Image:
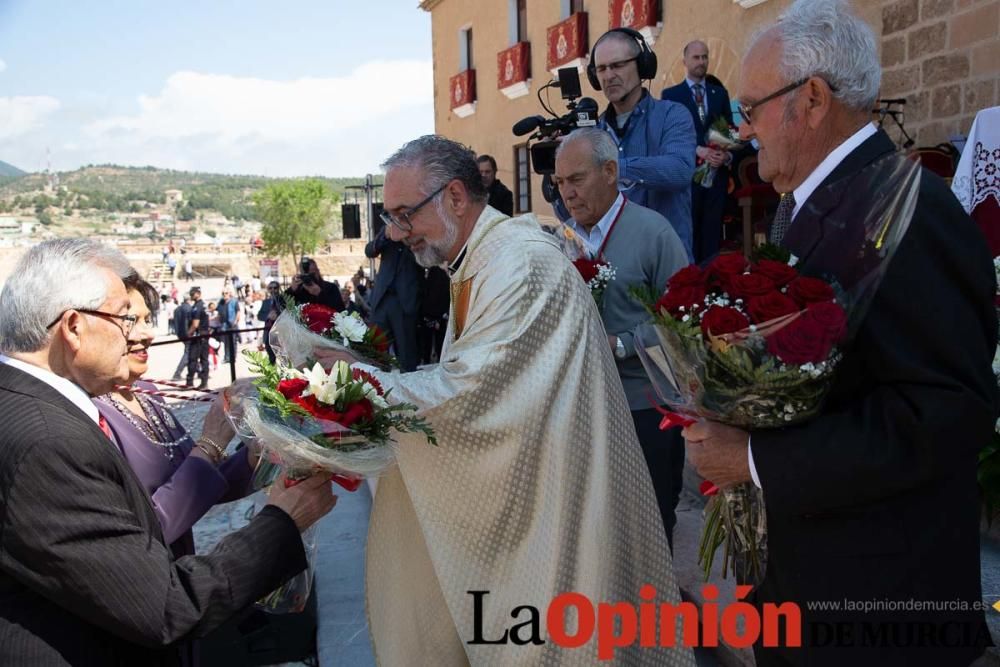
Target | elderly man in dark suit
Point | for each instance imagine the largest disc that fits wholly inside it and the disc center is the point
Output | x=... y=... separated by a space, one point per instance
x=85 y=575
x=874 y=499
x=395 y=299
x=707 y=103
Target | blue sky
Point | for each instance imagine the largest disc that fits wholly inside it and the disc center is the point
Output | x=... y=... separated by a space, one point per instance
x=276 y=88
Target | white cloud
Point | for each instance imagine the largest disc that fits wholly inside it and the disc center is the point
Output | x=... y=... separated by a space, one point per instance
x=211 y=121
x=19 y=115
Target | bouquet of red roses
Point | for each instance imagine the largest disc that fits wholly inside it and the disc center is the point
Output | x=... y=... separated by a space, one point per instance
x=754 y=342
x=595 y=271
x=301 y=329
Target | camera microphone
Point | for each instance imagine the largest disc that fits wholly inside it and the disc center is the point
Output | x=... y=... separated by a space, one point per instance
x=526 y=125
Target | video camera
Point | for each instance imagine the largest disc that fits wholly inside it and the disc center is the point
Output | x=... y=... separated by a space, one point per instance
x=304 y=275
x=582 y=113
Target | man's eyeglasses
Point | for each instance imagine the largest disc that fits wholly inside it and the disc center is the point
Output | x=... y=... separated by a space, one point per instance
x=402 y=222
x=127 y=326
x=746 y=110
x=615 y=66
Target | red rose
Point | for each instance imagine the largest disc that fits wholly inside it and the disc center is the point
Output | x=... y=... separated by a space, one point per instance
x=291 y=389
x=801 y=341
x=361 y=411
x=689 y=276
x=362 y=376
x=748 y=285
x=770 y=306
x=831 y=317
x=681 y=297
x=720 y=320
x=779 y=272
x=587 y=268
x=317 y=317
x=724 y=267
x=809 y=290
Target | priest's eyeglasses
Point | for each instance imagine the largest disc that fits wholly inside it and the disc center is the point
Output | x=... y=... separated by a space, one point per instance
x=127 y=325
x=402 y=223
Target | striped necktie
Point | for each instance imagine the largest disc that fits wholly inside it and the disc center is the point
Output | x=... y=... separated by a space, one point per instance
x=699 y=100
x=782 y=218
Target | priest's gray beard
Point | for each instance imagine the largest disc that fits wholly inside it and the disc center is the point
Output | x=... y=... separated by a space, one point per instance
x=436 y=253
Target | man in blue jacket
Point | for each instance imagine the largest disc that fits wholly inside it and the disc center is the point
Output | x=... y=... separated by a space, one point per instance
x=655 y=138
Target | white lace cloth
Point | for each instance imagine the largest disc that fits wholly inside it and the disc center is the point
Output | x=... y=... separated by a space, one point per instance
x=978 y=173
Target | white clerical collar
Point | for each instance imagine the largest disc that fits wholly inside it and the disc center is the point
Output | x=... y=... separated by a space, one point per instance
x=71 y=391
x=594 y=237
x=826 y=167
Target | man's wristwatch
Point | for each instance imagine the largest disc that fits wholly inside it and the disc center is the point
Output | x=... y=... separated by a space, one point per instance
x=619 y=348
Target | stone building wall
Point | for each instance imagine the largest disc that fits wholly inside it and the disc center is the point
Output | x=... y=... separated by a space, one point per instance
x=944 y=57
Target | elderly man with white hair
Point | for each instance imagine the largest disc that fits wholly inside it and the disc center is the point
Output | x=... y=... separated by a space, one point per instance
x=644 y=250
x=85 y=575
x=873 y=503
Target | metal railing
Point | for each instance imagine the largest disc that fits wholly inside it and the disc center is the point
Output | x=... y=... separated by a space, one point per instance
x=230 y=334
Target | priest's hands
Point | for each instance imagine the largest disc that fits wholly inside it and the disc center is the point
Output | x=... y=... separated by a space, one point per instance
x=718 y=452
x=305 y=502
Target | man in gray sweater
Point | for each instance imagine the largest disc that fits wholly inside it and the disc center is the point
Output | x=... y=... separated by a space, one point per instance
x=643 y=248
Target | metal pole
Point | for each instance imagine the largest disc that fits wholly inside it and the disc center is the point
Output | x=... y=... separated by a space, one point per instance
x=371 y=221
x=232 y=354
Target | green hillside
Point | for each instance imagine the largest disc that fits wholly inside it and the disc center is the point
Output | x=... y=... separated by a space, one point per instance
x=114 y=188
x=10 y=171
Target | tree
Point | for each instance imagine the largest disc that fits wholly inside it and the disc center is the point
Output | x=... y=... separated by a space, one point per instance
x=186 y=213
x=45 y=218
x=295 y=216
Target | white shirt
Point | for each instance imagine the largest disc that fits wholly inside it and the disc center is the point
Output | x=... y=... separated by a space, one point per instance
x=803 y=192
x=593 y=238
x=70 y=390
x=826 y=167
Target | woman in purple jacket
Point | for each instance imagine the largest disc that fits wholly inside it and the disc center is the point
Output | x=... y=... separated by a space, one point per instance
x=184 y=477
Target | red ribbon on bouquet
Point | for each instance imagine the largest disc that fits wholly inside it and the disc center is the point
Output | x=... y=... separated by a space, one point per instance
x=349 y=483
x=672 y=419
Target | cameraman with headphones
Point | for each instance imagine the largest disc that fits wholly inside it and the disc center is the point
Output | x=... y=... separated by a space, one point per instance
x=656 y=138
x=309 y=287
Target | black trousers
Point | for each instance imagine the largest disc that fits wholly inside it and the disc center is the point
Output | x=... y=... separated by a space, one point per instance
x=403 y=330
x=664 y=452
x=198 y=359
x=184 y=360
x=707 y=205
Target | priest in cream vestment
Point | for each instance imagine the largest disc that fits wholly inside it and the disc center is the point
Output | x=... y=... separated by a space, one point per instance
x=538 y=486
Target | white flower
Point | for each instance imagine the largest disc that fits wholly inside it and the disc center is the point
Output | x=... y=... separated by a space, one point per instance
x=318 y=380
x=371 y=393
x=793 y=260
x=350 y=327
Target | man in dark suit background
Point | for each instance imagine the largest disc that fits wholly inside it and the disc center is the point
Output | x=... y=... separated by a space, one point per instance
x=707 y=103
x=395 y=299
x=501 y=198
x=874 y=500
x=85 y=575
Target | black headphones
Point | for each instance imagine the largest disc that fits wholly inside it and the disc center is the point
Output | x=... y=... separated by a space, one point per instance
x=645 y=61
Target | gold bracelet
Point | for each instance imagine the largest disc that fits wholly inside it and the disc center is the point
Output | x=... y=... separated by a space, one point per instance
x=212 y=457
x=220 y=453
